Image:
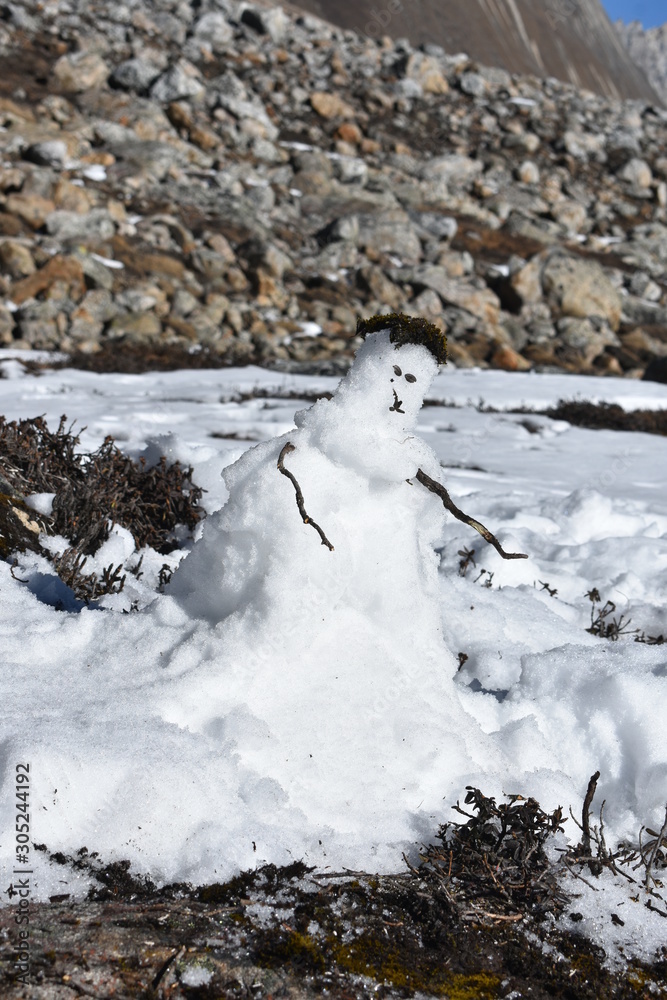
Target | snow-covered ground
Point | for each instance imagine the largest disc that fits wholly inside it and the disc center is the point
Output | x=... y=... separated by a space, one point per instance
x=196 y=749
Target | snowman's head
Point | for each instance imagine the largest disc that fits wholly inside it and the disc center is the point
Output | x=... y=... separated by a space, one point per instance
x=369 y=420
x=393 y=370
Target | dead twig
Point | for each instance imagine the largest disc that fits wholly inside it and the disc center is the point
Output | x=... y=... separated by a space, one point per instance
x=662 y=836
x=287 y=448
x=175 y=956
x=585 y=814
x=440 y=490
x=580 y=877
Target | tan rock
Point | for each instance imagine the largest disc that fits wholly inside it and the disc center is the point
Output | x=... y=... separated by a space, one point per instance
x=136 y=327
x=84 y=326
x=526 y=281
x=509 y=360
x=11 y=177
x=426 y=71
x=58 y=269
x=32 y=208
x=330 y=105
x=204 y=138
x=12 y=113
x=80 y=71
x=269 y=291
x=370 y=146
x=643 y=344
x=72 y=198
x=10 y=225
x=580 y=287
x=16 y=259
x=637 y=173
x=7 y=325
x=373 y=280
x=570 y=214
x=528 y=172
x=350 y=133
x=222 y=246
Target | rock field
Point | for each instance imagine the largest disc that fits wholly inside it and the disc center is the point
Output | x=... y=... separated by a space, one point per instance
x=240 y=183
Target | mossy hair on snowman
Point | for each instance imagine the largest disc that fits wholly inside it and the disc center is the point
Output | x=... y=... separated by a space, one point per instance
x=404 y=333
x=407 y=330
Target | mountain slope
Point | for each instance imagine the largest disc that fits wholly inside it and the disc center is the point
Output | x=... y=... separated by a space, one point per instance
x=574 y=42
x=648 y=49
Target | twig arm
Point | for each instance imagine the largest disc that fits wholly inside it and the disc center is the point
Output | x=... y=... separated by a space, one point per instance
x=488 y=536
x=287 y=448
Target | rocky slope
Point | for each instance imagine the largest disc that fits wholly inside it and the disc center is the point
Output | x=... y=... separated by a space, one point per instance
x=572 y=41
x=648 y=49
x=238 y=183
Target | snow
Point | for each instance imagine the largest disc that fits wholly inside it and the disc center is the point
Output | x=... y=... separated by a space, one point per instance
x=95 y=172
x=286 y=701
x=196 y=975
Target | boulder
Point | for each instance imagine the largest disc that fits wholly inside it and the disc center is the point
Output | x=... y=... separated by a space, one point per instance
x=578 y=287
x=80 y=71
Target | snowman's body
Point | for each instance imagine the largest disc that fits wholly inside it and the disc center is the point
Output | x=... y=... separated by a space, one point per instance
x=355 y=459
x=303 y=629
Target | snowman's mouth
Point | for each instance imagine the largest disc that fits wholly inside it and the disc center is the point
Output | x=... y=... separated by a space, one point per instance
x=396 y=408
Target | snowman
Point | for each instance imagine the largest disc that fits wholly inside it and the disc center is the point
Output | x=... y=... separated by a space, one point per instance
x=353 y=474
x=319 y=582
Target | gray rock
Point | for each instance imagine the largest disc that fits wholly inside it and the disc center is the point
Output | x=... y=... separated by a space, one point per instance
x=228 y=92
x=261 y=253
x=350 y=170
x=637 y=173
x=643 y=287
x=586 y=337
x=150 y=158
x=272 y=22
x=135 y=74
x=94 y=225
x=37 y=325
x=51 y=153
x=213 y=29
x=345 y=228
x=183 y=303
x=444 y=227
x=584 y=145
x=456 y=171
x=97 y=273
x=473 y=84
x=636 y=310
x=392 y=232
x=182 y=80
x=479 y=302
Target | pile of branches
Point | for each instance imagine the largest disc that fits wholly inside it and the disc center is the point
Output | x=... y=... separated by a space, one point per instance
x=494 y=867
x=92 y=492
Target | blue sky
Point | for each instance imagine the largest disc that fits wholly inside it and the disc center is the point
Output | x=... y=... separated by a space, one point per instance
x=649 y=12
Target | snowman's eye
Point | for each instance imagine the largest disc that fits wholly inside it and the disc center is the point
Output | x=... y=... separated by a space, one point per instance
x=397 y=370
x=410 y=378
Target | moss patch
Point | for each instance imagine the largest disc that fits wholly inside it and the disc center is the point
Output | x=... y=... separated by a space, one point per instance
x=407 y=330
